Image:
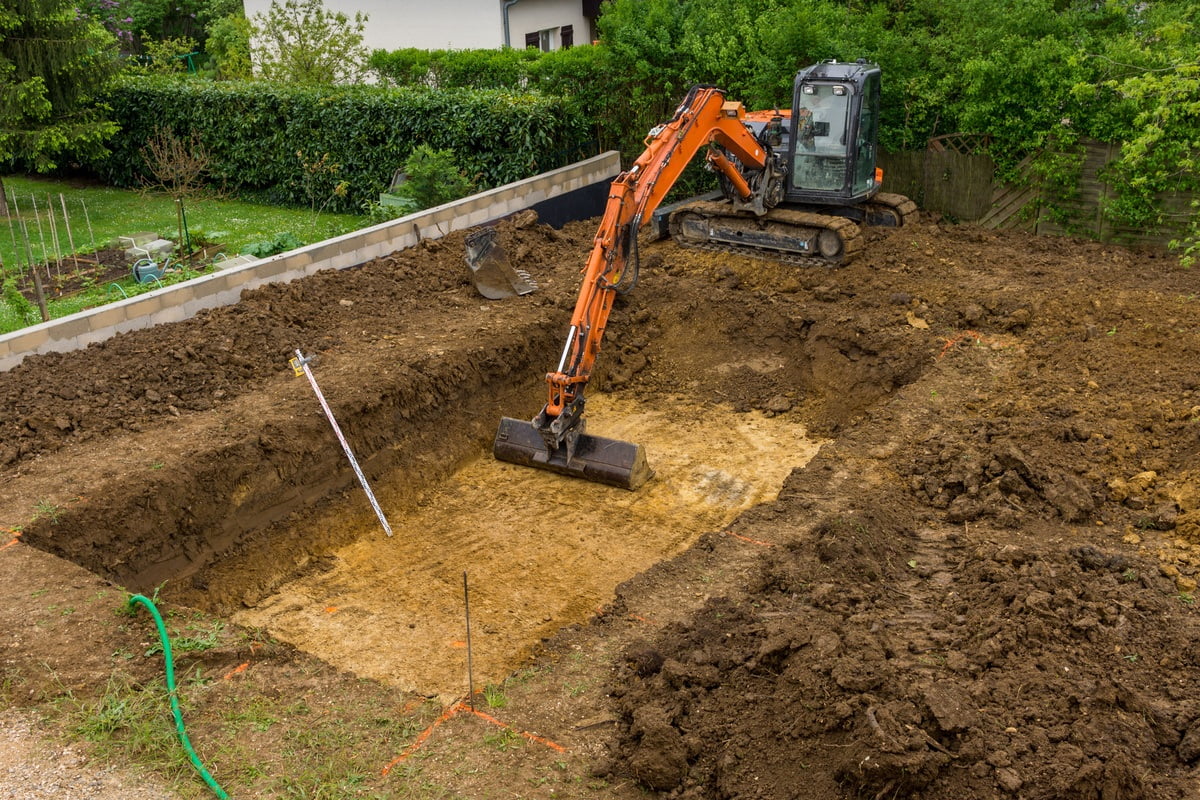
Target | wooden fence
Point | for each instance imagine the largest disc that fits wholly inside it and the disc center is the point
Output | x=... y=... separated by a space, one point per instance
x=959 y=182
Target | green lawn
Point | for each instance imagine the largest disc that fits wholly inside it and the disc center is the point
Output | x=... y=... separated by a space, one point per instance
x=98 y=215
x=119 y=212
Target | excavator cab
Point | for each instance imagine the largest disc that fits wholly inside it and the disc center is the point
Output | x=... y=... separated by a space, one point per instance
x=832 y=142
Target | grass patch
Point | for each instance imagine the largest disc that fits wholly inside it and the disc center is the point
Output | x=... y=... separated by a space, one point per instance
x=127 y=721
x=121 y=212
x=98 y=215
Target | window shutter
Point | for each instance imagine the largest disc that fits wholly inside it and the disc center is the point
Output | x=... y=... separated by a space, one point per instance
x=567 y=36
x=533 y=40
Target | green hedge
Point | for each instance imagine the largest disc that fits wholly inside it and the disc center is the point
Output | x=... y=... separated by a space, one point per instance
x=446 y=69
x=585 y=74
x=253 y=133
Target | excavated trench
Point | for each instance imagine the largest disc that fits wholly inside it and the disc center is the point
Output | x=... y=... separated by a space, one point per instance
x=250 y=511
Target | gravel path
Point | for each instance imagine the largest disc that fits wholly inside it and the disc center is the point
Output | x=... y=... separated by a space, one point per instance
x=32 y=767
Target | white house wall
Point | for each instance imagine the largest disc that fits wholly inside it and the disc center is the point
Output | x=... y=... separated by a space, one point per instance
x=446 y=24
x=530 y=16
x=453 y=24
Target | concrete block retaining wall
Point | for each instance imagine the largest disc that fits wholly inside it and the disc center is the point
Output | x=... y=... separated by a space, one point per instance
x=184 y=300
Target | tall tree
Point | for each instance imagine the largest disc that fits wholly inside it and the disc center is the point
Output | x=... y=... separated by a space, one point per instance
x=299 y=41
x=52 y=65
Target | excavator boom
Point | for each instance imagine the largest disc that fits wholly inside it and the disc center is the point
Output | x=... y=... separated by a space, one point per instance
x=555 y=438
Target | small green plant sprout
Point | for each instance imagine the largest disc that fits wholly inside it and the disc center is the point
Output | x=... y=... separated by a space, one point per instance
x=1129 y=575
x=912 y=563
x=44 y=509
x=203 y=638
x=1131 y=658
x=503 y=740
x=1187 y=598
x=494 y=696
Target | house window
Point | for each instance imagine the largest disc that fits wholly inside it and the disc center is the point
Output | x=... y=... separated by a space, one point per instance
x=551 y=38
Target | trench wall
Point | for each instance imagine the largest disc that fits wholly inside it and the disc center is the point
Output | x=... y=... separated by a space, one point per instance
x=576 y=191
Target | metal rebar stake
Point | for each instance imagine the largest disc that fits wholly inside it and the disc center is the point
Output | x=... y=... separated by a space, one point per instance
x=299 y=365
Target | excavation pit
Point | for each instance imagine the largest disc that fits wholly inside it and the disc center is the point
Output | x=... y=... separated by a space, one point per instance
x=540 y=550
x=248 y=509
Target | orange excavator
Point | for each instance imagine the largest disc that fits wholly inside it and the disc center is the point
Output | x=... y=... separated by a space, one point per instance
x=796 y=186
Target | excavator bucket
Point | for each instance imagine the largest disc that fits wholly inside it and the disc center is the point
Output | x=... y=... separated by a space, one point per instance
x=607 y=461
x=491 y=272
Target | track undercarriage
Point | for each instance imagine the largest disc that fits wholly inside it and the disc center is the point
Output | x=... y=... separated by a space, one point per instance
x=789 y=233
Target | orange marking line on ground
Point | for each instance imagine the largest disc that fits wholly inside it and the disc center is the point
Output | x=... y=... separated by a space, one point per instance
x=450 y=712
x=331 y=609
x=751 y=541
x=640 y=618
x=236 y=670
x=533 y=737
x=422 y=736
x=16 y=534
x=458 y=643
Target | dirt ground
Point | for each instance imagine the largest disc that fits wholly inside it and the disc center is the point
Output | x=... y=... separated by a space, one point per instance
x=980 y=586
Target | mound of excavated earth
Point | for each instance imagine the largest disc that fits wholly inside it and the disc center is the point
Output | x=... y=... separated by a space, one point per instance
x=981 y=585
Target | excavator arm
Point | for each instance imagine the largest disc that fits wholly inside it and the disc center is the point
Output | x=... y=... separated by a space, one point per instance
x=704 y=120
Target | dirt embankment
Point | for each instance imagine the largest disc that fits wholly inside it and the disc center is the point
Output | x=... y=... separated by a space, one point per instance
x=981 y=586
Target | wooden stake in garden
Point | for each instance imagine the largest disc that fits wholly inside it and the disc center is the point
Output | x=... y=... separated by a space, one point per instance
x=90 y=232
x=37 y=279
x=67 y=225
x=41 y=235
x=13 y=234
x=54 y=237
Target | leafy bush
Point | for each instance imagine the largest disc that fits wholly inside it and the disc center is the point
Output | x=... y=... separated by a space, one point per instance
x=279 y=243
x=460 y=69
x=434 y=178
x=228 y=47
x=253 y=131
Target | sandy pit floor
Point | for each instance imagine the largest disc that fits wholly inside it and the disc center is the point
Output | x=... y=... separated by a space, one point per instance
x=540 y=551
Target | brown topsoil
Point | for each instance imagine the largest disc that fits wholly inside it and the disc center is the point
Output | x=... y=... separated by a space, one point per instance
x=981 y=586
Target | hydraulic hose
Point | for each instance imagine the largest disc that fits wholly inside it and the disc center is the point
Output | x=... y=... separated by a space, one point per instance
x=174 y=694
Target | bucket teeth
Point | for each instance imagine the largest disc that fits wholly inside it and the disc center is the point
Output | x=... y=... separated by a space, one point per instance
x=494 y=277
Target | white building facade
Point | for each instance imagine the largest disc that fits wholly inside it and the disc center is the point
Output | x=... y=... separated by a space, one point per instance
x=466 y=24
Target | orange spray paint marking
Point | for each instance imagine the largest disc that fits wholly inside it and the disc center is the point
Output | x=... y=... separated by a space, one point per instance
x=236 y=670
x=458 y=644
x=16 y=534
x=533 y=737
x=422 y=736
x=751 y=541
x=450 y=712
x=331 y=609
x=639 y=618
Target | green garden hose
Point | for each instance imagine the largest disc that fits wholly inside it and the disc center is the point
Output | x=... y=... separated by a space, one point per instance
x=183 y=737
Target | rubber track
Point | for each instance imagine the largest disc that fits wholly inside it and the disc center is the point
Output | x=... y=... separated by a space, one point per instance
x=847 y=230
x=905 y=208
